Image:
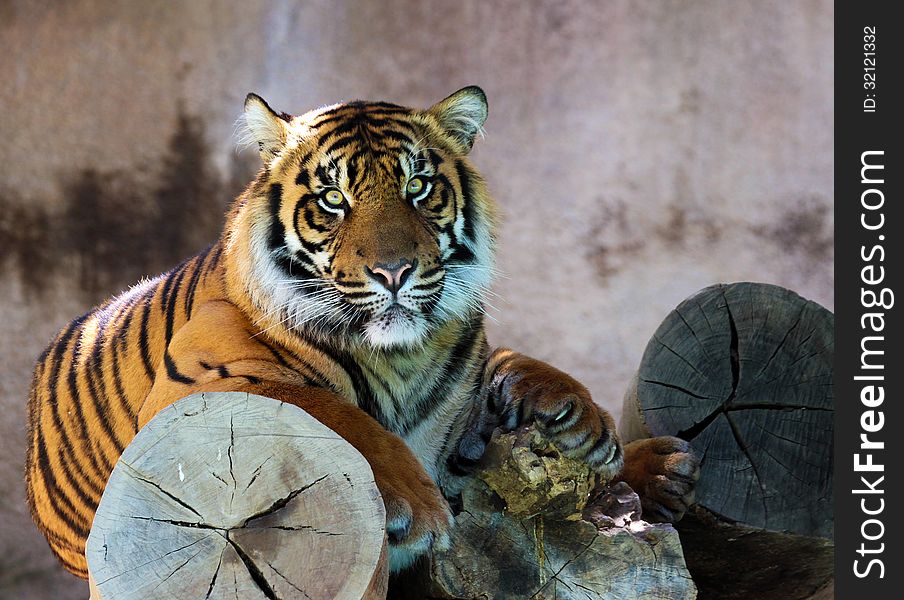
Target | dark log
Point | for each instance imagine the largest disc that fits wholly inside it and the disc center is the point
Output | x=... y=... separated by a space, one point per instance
x=744 y=373
x=228 y=495
x=731 y=561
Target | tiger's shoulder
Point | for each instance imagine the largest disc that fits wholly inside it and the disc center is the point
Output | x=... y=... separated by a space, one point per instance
x=220 y=346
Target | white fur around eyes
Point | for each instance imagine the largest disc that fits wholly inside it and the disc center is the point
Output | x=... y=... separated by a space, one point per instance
x=333 y=209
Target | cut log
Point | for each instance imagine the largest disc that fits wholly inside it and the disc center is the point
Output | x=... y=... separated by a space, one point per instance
x=744 y=373
x=526 y=529
x=227 y=495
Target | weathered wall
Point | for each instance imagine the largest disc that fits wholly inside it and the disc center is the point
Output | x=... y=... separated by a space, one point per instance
x=640 y=150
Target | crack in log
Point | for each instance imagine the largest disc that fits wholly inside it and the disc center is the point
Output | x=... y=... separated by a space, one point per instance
x=698 y=427
x=286 y=579
x=492 y=531
x=681 y=358
x=735 y=365
x=693 y=333
x=787 y=368
x=257 y=472
x=213 y=580
x=303 y=528
x=788 y=469
x=153 y=560
x=174 y=571
x=703 y=455
x=809 y=440
x=676 y=387
x=179 y=523
x=782 y=407
x=781 y=344
x=823 y=376
x=229 y=453
x=703 y=314
x=743 y=446
x=300 y=436
x=783 y=438
x=807 y=339
x=256 y=575
x=664 y=407
x=282 y=502
x=586 y=589
x=734 y=353
x=555 y=589
x=555 y=576
x=137 y=475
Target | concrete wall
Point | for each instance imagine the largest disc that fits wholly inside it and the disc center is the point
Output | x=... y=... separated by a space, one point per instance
x=640 y=151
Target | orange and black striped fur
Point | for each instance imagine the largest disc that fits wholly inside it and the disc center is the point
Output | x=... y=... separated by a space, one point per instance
x=348 y=281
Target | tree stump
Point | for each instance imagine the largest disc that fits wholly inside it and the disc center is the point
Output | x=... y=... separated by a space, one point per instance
x=744 y=373
x=533 y=524
x=227 y=495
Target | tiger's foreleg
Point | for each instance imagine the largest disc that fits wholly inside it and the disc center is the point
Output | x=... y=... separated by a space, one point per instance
x=418 y=518
x=518 y=390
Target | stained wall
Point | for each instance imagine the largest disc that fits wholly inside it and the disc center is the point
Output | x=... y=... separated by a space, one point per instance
x=640 y=150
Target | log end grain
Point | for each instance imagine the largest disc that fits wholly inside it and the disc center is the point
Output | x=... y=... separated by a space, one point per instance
x=227 y=495
x=744 y=373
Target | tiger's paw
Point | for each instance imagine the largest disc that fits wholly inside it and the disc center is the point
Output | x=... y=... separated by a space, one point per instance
x=565 y=414
x=418 y=518
x=663 y=471
x=582 y=431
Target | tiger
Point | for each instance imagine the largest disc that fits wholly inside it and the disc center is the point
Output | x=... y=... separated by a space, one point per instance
x=350 y=280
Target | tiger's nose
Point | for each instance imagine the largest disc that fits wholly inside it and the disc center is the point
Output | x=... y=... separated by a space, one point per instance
x=391 y=276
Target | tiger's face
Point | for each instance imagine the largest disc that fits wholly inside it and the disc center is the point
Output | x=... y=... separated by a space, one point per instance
x=369 y=222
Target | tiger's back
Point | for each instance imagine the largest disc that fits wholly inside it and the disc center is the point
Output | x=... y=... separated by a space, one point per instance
x=87 y=391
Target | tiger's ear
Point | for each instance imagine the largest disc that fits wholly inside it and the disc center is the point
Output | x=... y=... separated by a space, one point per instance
x=462 y=115
x=265 y=127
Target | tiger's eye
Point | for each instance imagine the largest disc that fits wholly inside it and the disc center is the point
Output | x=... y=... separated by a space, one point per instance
x=415 y=186
x=334 y=198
